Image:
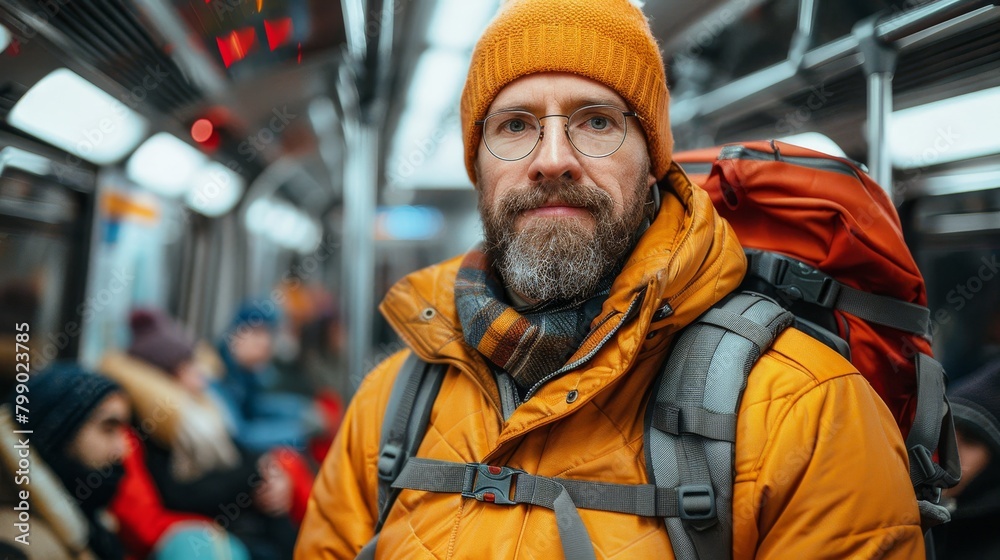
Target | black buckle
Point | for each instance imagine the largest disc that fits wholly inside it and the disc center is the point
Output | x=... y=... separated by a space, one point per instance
x=796 y=279
x=492 y=484
x=696 y=502
x=924 y=460
x=390 y=462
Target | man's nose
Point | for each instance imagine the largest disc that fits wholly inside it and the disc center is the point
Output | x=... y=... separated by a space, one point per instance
x=555 y=156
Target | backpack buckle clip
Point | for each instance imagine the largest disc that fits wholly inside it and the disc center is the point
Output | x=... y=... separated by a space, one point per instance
x=389 y=463
x=492 y=484
x=799 y=281
x=696 y=502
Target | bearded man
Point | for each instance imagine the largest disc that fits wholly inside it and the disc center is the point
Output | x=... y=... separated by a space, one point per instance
x=598 y=251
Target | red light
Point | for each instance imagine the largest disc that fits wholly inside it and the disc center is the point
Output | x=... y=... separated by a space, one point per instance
x=278 y=31
x=202 y=130
x=234 y=46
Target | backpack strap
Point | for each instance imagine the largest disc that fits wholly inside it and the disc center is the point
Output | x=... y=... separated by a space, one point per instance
x=800 y=281
x=933 y=428
x=403 y=427
x=691 y=418
x=684 y=420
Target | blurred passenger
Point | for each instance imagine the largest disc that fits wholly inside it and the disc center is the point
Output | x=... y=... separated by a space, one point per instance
x=88 y=498
x=72 y=468
x=183 y=443
x=974 y=530
x=260 y=418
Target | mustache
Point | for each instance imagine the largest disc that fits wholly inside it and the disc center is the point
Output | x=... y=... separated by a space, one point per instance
x=562 y=192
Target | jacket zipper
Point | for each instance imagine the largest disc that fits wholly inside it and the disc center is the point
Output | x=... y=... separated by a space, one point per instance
x=584 y=359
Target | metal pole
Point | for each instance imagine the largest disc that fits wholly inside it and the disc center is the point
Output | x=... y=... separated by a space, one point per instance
x=879 y=109
x=879 y=66
x=360 y=196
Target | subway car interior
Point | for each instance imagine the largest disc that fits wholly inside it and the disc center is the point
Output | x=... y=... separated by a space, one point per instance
x=293 y=159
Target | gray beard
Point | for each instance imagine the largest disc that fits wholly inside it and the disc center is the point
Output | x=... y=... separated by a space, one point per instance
x=560 y=259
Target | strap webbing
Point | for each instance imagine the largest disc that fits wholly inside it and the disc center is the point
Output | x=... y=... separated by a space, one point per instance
x=432 y=475
x=933 y=428
x=407 y=415
x=368 y=552
x=675 y=420
x=691 y=420
x=814 y=286
x=754 y=332
x=883 y=310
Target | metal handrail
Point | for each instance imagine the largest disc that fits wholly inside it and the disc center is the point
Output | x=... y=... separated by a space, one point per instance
x=755 y=91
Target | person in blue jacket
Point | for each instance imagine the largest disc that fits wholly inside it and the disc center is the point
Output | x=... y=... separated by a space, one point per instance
x=260 y=418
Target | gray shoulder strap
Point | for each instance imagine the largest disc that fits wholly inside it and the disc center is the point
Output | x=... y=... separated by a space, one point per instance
x=403 y=427
x=933 y=429
x=691 y=418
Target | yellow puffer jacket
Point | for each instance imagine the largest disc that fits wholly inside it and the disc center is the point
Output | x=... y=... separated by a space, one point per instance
x=821 y=470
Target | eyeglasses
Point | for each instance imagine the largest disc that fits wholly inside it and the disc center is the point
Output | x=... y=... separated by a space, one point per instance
x=595 y=131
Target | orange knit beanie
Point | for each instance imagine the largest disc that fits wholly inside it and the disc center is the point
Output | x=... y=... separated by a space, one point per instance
x=605 y=40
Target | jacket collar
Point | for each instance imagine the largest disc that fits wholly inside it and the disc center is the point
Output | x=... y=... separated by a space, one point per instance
x=687 y=260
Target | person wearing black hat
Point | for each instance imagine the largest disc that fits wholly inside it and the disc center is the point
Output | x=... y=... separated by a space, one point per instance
x=975 y=501
x=77 y=423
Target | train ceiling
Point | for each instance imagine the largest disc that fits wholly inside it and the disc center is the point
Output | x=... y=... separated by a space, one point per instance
x=255 y=67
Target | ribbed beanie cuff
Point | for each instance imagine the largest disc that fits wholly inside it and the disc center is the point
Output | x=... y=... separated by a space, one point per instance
x=608 y=41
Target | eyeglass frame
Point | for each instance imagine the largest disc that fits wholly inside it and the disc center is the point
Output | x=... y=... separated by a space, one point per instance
x=541 y=129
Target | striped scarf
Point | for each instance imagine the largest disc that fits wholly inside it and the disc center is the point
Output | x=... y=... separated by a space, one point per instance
x=530 y=345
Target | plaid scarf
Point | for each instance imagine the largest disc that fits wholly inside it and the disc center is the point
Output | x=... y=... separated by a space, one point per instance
x=530 y=345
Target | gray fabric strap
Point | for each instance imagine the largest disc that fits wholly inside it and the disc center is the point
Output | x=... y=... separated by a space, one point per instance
x=549 y=493
x=740 y=325
x=397 y=416
x=368 y=552
x=645 y=500
x=432 y=475
x=885 y=311
x=691 y=425
x=811 y=285
x=675 y=420
x=405 y=421
x=933 y=428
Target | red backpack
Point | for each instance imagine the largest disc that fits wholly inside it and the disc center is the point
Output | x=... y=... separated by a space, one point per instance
x=824 y=240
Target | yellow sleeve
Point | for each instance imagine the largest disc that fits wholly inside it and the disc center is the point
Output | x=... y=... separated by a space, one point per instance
x=833 y=480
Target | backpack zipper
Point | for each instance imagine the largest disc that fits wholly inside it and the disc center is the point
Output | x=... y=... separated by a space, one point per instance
x=822 y=164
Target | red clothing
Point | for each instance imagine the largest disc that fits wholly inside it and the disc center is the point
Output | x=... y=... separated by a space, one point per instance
x=141 y=516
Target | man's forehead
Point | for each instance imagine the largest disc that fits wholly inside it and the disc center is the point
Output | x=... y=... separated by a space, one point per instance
x=541 y=90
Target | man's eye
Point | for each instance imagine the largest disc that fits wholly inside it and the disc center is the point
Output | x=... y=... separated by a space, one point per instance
x=515 y=125
x=598 y=123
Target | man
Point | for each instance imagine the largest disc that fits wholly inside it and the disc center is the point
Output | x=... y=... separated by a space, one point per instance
x=77 y=421
x=598 y=252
